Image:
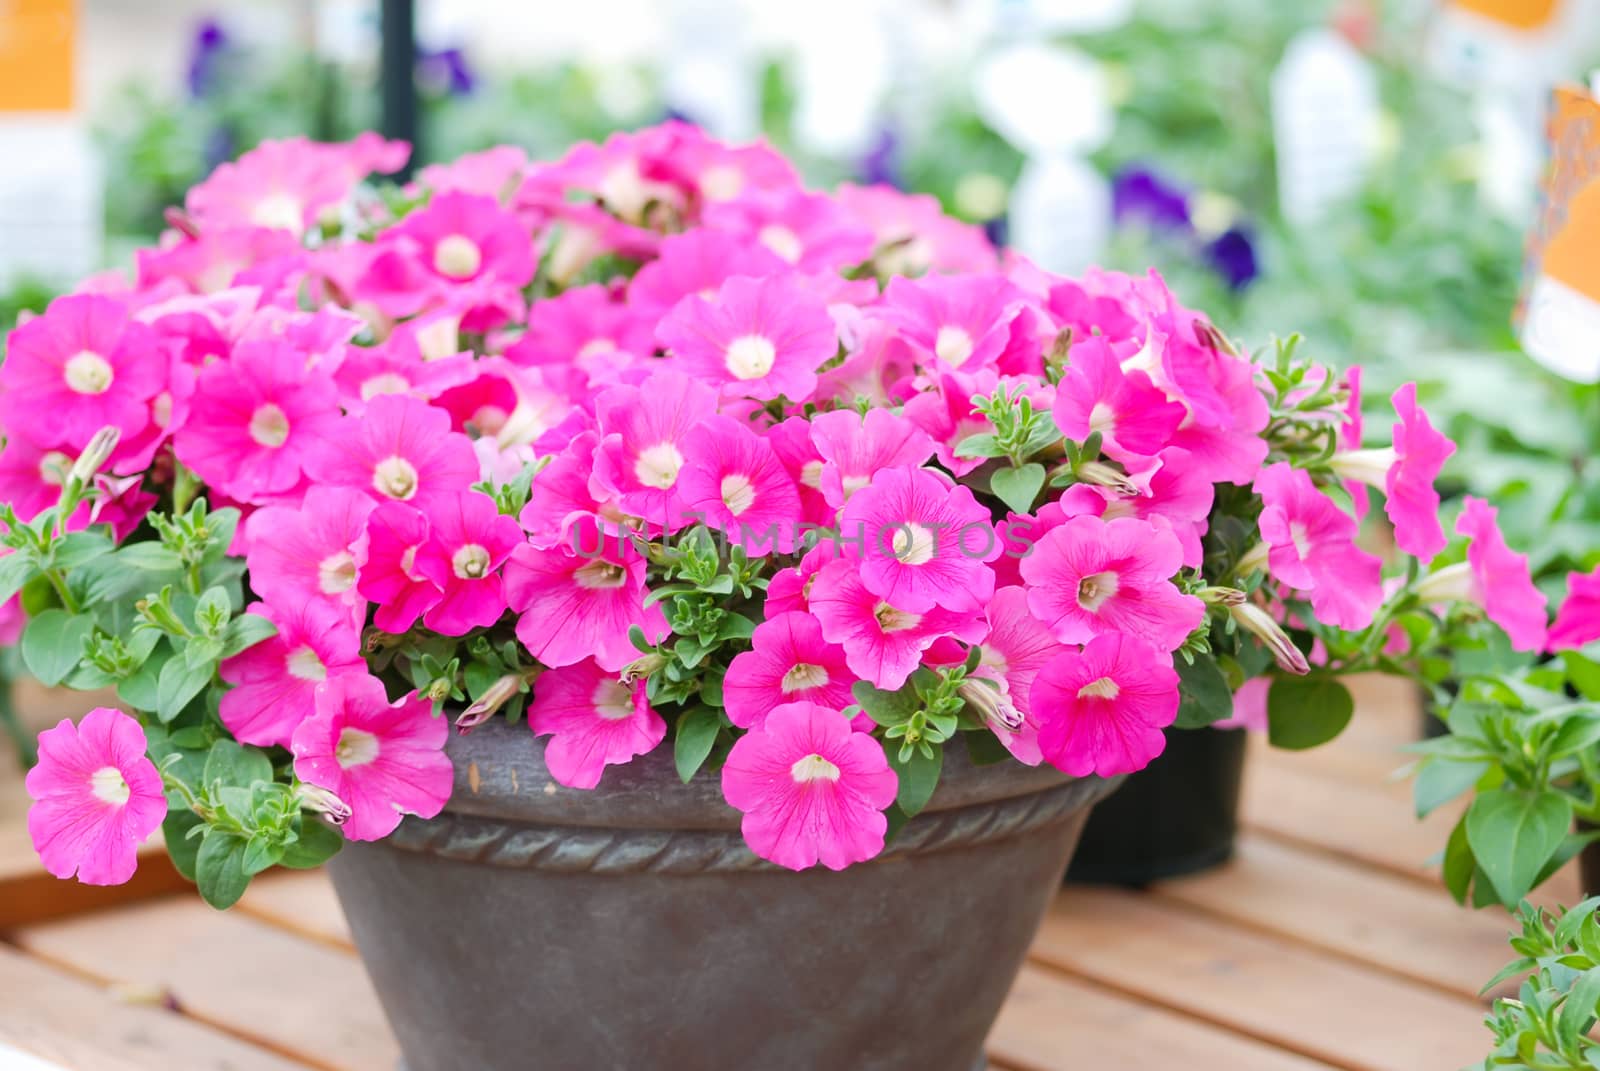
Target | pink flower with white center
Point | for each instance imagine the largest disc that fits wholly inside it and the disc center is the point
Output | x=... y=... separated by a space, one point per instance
x=913 y=233
x=878 y=365
x=1133 y=416
x=853 y=448
x=82 y=365
x=578 y=601
x=1578 y=620
x=1013 y=653
x=287 y=184
x=808 y=230
x=483 y=405
x=470 y=540
x=31 y=478
x=733 y=479
x=1176 y=494
x=388 y=574
x=1406 y=473
x=1231 y=449
x=960 y=322
x=275 y=681
x=582 y=326
x=217 y=259
x=464 y=237
x=756 y=338
x=1494 y=577
x=399 y=449
x=926 y=542
x=593 y=720
x=882 y=643
x=309 y=554
x=1312 y=548
x=492 y=172
x=790 y=663
x=397 y=367
x=791 y=441
x=812 y=789
x=790 y=589
x=643 y=428
x=560 y=495
x=696 y=262
x=383 y=759
x=258 y=421
x=1102 y=710
x=1088 y=577
x=947 y=414
x=96 y=797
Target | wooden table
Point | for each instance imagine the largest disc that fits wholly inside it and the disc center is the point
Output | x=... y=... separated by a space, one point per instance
x=1328 y=943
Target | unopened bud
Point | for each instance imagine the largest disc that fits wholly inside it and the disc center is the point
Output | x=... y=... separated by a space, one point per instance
x=640 y=668
x=1103 y=475
x=1221 y=596
x=321 y=801
x=1371 y=467
x=995 y=709
x=1210 y=336
x=182 y=222
x=1453 y=583
x=94 y=455
x=1256 y=621
x=494 y=697
x=1254 y=560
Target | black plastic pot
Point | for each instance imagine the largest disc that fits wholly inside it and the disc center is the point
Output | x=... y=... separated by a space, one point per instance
x=1177 y=816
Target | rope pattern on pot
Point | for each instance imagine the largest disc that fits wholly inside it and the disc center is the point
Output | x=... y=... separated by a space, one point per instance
x=579 y=850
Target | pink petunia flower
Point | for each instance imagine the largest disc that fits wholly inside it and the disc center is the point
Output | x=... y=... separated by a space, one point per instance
x=756 y=338
x=1312 y=548
x=1134 y=417
x=1493 y=576
x=1013 y=652
x=1089 y=577
x=399 y=449
x=383 y=759
x=388 y=575
x=470 y=539
x=578 y=601
x=1250 y=706
x=1578 y=620
x=640 y=456
x=287 y=184
x=397 y=367
x=697 y=262
x=464 y=237
x=96 y=798
x=309 y=553
x=882 y=642
x=913 y=233
x=582 y=326
x=853 y=448
x=791 y=663
x=960 y=322
x=82 y=365
x=275 y=681
x=733 y=480
x=594 y=721
x=1175 y=494
x=1102 y=710
x=947 y=414
x=926 y=543
x=258 y=421
x=812 y=789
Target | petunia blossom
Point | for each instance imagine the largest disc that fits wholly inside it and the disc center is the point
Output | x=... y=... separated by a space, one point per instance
x=640 y=455
x=468 y=541
x=594 y=721
x=1578 y=620
x=883 y=643
x=399 y=449
x=790 y=662
x=1102 y=710
x=1012 y=654
x=925 y=543
x=854 y=447
x=733 y=480
x=1312 y=548
x=275 y=681
x=308 y=554
x=1493 y=576
x=755 y=338
x=1134 y=418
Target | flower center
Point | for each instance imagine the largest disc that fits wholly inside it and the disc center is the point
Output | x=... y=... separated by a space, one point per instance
x=891 y=619
x=489 y=419
x=1103 y=418
x=811 y=475
x=304 y=665
x=658 y=466
x=395 y=477
x=88 y=373
x=109 y=786
x=1104 y=688
x=595 y=347
x=269 y=426
x=721 y=183
x=54 y=467
x=457 y=256
x=913 y=544
x=1301 y=538
x=751 y=357
x=953 y=345
x=336 y=573
x=598 y=575
x=813 y=767
x=161 y=409
x=803 y=676
x=356 y=747
x=278 y=210
x=782 y=241
x=408 y=563
x=1093 y=591
x=384 y=383
x=613 y=701
x=738 y=493
x=470 y=562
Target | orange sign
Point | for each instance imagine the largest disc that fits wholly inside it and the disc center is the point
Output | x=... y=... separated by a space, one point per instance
x=36 y=55
x=1517 y=14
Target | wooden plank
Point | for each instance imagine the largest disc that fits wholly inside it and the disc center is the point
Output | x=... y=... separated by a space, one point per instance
x=300 y=998
x=1056 y=1023
x=1310 y=1003
x=303 y=903
x=1362 y=914
x=72 y=1023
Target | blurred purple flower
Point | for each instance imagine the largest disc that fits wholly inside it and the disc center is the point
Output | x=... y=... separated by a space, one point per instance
x=674 y=114
x=447 y=70
x=1140 y=195
x=205 y=48
x=219 y=147
x=998 y=230
x=880 y=165
x=1233 y=256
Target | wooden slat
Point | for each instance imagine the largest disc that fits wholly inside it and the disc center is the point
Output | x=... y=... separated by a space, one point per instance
x=1056 y=1023
x=1317 y=1005
x=72 y=1023
x=302 y=903
x=273 y=988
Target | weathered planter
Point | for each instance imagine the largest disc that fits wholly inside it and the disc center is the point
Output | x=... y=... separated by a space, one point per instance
x=630 y=927
x=1179 y=815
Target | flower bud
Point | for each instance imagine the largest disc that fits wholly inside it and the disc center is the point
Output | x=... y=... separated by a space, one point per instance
x=995 y=709
x=1213 y=596
x=1453 y=583
x=640 y=668
x=94 y=455
x=1370 y=467
x=321 y=801
x=1256 y=621
x=494 y=697
x=1253 y=561
x=1103 y=475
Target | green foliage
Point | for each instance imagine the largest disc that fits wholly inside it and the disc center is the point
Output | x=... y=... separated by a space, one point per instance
x=1305 y=712
x=1546 y=1027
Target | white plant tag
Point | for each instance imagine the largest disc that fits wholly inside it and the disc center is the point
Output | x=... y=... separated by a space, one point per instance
x=1044 y=99
x=1060 y=214
x=52 y=201
x=1324 y=123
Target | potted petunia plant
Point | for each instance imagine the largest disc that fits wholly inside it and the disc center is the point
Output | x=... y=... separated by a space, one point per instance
x=416 y=520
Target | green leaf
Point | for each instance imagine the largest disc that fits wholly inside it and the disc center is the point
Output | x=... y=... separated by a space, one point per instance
x=980 y=445
x=1583 y=673
x=1578 y=1012
x=1441 y=780
x=1566 y=931
x=692 y=743
x=1206 y=697
x=919 y=776
x=181 y=848
x=1459 y=865
x=139 y=690
x=317 y=843
x=244 y=632
x=219 y=869
x=984 y=748
x=260 y=852
x=1513 y=833
x=15 y=571
x=235 y=764
x=53 y=644
x=1305 y=712
x=1578 y=733
x=1018 y=487
x=885 y=708
x=178 y=683
x=80 y=548
x=149 y=558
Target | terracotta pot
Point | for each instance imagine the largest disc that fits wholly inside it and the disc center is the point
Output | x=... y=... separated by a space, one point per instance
x=532 y=925
x=1179 y=815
